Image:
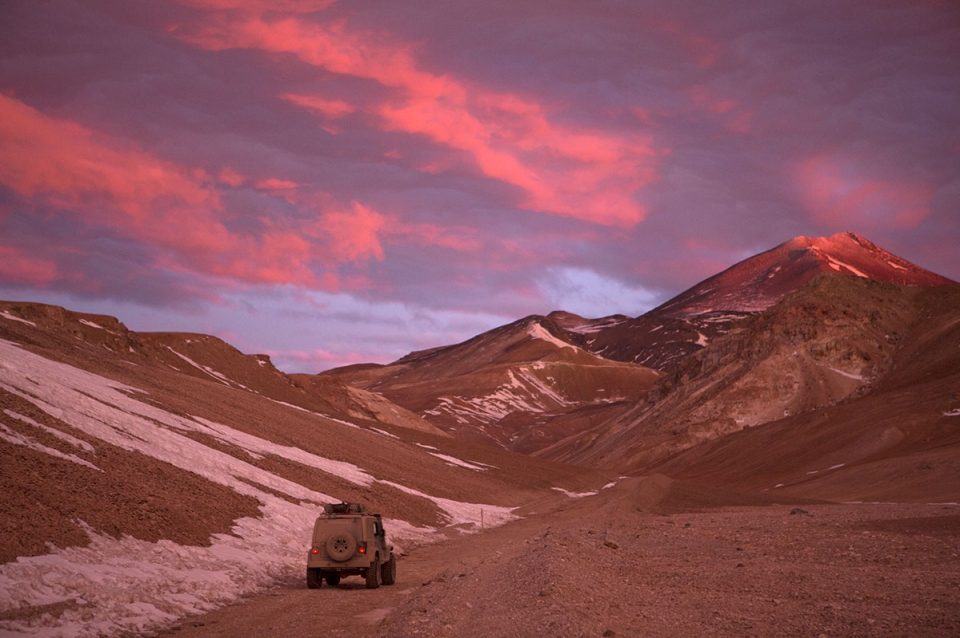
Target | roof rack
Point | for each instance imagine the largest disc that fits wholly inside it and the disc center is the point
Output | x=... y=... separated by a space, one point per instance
x=343 y=508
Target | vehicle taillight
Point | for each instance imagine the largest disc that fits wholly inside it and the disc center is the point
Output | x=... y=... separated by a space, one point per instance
x=363 y=548
x=314 y=550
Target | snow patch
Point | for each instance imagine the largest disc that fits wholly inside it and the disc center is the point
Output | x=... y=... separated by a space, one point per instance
x=463 y=514
x=213 y=373
x=849 y=375
x=523 y=392
x=319 y=414
x=452 y=460
x=92 y=324
x=63 y=436
x=837 y=265
x=833 y=467
x=952 y=412
x=574 y=494
x=12 y=436
x=7 y=315
x=133 y=586
x=539 y=332
x=595 y=326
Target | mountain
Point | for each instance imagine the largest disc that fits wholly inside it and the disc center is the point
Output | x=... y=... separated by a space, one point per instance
x=686 y=323
x=521 y=386
x=148 y=476
x=891 y=435
x=548 y=384
x=834 y=339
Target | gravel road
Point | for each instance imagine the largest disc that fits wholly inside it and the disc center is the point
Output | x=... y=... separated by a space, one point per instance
x=615 y=565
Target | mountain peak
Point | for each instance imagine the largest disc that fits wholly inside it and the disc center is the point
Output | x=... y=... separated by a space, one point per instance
x=760 y=281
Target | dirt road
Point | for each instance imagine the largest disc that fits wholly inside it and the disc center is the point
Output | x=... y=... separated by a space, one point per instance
x=624 y=564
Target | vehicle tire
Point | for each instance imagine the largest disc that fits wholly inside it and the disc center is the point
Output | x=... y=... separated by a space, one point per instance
x=389 y=571
x=333 y=579
x=341 y=547
x=314 y=577
x=373 y=574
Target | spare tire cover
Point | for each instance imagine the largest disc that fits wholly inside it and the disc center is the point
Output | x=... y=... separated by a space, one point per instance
x=341 y=546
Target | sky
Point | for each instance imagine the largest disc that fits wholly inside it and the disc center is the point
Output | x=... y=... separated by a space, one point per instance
x=333 y=182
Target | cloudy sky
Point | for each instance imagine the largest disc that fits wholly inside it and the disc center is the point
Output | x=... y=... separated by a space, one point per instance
x=331 y=181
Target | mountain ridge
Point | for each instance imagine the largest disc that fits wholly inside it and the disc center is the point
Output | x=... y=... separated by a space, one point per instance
x=447 y=385
x=132 y=462
x=706 y=310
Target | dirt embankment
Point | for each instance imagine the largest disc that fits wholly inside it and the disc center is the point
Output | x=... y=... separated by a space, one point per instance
x=627 y=562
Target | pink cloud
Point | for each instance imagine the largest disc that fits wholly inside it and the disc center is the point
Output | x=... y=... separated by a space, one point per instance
x=175 y=209
x=62 y=161
x=276 y=184
x=18 y=267
x=289 y=6
x=843 y=192
x=231 y=177
x=352 y=235
x=704 y=51
x=323 y=358
x=559 y=169
x=328 y=108
x=461 y=239
x=730 y=113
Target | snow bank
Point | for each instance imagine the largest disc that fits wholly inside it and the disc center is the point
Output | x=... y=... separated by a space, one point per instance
x=465 y=514
x=129 y=585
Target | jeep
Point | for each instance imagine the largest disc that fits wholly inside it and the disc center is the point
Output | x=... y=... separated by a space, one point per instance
x=349 y=542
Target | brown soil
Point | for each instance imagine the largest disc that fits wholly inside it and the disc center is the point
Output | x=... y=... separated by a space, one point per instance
x=608 y=565
x=48 y=500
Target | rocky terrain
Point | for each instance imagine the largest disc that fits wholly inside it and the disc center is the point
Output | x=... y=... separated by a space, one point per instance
x=788 y=465
x=664 y=336
x=647 y=557
x=521 y=387
x=849 y=344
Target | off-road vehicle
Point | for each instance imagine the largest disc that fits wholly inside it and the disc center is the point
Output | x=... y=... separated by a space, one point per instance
x=349 y=542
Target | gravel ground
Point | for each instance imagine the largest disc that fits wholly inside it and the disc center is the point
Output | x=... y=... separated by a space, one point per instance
x=599 y=566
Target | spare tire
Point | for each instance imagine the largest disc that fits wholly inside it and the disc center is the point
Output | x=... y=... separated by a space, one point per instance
x=341 y=547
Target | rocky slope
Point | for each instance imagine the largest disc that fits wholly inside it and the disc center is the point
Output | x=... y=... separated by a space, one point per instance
x=843 y=372
x=897 y=439
x=522 y=386
x=686 y=323
x=529 y=385
x=136 y=465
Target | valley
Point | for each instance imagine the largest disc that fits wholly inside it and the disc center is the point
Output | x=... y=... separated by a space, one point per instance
x=775 y=451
